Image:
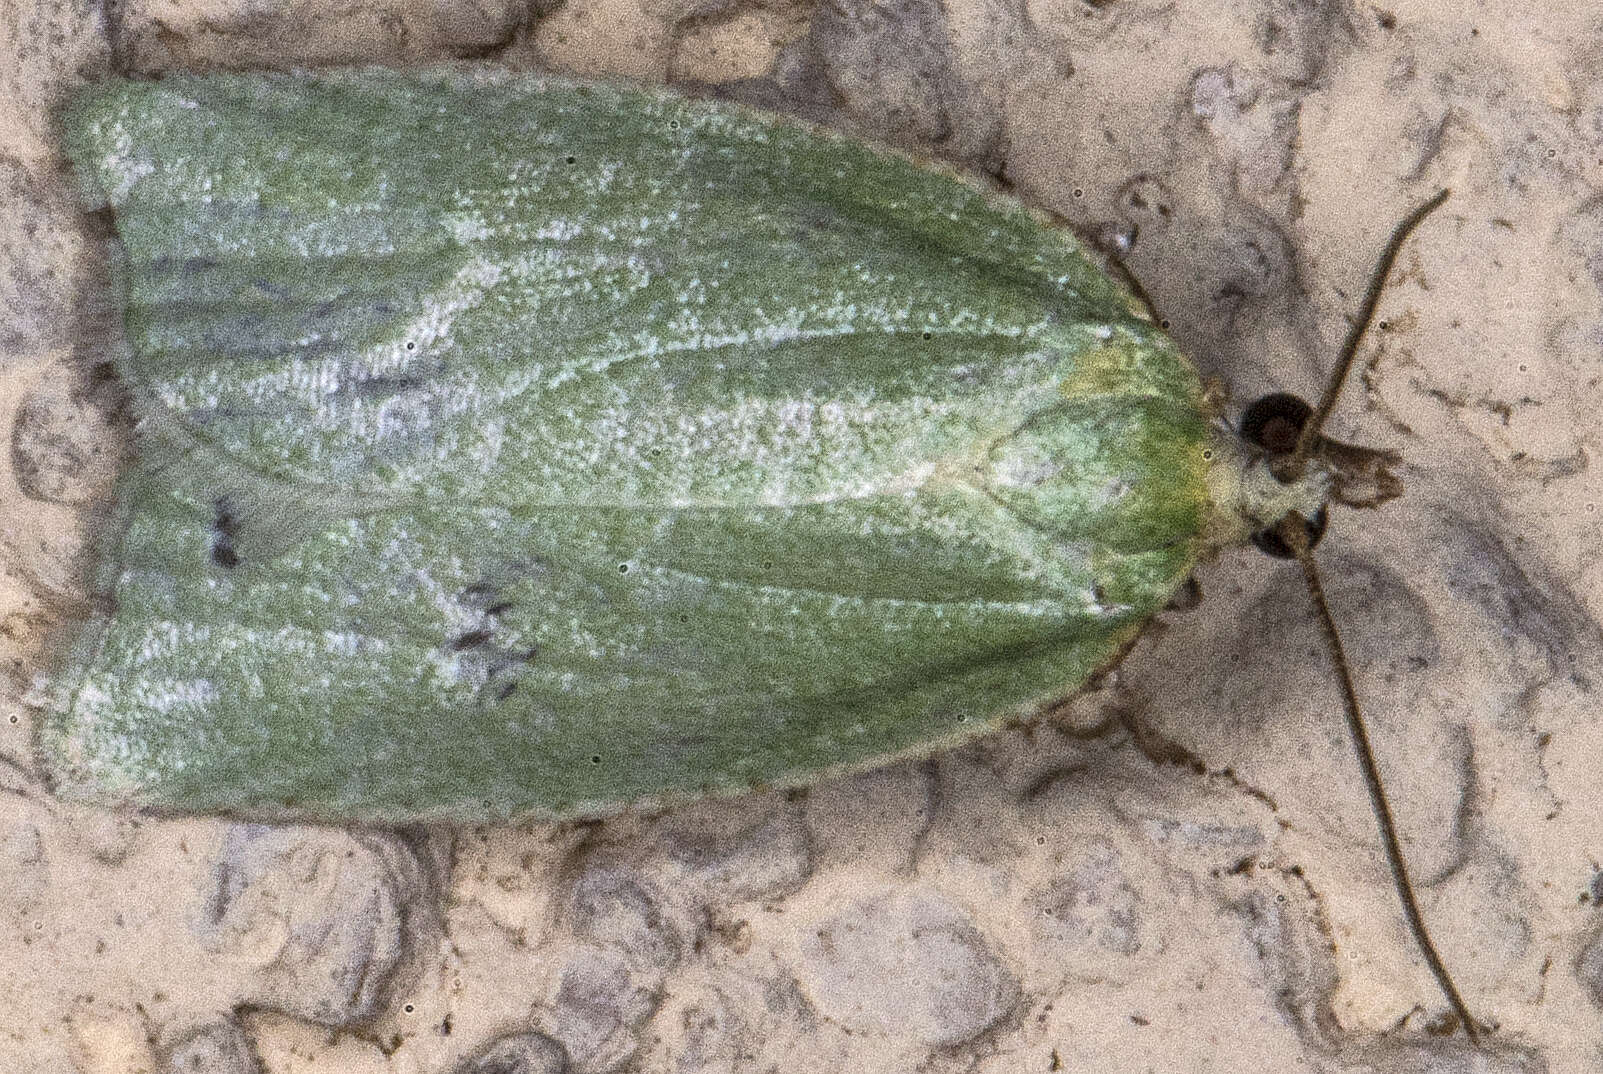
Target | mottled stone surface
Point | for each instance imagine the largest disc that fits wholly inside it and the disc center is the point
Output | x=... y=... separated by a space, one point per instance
x=323 y=918
x=907 y=965
x=215 y=1048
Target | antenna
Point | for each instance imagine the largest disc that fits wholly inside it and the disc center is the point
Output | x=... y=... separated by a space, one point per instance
x=1292 y=466
x=1293 y=530
x=1296 y=536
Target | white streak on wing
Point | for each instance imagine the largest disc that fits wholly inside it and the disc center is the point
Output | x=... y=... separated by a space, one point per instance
x=122 y=164
x=466 y=226
x=166 y=695
x=433 y=321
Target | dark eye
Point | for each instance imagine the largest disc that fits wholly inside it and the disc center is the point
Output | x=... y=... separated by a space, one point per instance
x=1274 y=422
x=1271 y=543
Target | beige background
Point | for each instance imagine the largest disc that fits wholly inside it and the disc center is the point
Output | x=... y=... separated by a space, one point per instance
x=1042 y=901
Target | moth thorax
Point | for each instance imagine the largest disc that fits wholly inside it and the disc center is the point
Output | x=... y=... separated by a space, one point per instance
x=1248 y=498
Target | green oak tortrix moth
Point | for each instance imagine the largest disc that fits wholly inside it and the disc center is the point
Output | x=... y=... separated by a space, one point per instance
x=513 y=447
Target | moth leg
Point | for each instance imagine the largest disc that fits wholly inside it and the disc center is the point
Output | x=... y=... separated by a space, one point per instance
x=1187 y=597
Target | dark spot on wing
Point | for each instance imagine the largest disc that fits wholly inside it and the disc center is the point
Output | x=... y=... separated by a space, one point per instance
x=493 y=661
x=225 y=529
x=273 y=290
x=503 y=668
x=384 y=387
x=470 y=640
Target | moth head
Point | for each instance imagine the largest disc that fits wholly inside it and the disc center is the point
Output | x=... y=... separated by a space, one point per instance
x=1354 y=476
x=1280 y=471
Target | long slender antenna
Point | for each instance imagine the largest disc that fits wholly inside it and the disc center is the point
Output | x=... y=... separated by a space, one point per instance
x=1295 y=532
x=1291 y=468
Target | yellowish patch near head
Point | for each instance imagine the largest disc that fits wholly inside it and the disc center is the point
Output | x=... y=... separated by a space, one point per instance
x=1246 y=495
x=1122 y=366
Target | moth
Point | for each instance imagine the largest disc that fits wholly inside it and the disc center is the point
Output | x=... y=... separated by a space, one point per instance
x=512 y=447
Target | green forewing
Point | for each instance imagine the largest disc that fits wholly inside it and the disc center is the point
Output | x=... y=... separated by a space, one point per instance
x=514 y=446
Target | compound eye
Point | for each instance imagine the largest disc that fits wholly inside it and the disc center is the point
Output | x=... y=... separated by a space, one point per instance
x=1275 y=421
x=1271 y=543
